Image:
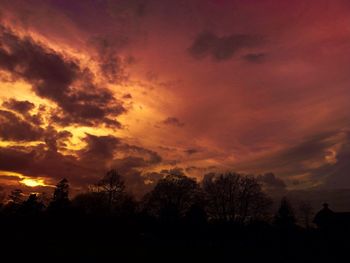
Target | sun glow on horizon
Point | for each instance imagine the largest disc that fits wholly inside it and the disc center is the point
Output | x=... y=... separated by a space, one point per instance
x=24 y=180
x=33 y=182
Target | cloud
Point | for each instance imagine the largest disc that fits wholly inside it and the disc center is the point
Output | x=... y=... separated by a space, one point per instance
x=13 y=128
x=82 y=167
x=24 y=109
x=149 y=157
x=255 y=57
x=112 y=66
x=100 y=147
x=115 y=153
x=56 y=140
x=271 y=181
x=221 y=48
x=173 y=121
x=19 y=106
x=60 y=80
x=132 y=7
x=127 y=96
x=245 y=115
x=173 y=171
x=320 y=160
x=129 y=160
x=191 y=151
x=338 y=170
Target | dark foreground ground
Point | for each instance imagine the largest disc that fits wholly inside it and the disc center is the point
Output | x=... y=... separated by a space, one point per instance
x=108 y=239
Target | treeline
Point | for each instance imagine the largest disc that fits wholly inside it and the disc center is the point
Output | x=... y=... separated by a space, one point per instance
x=229 y=197
x=225 y=217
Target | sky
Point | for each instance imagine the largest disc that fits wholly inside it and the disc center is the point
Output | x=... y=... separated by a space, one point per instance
x=152 y=87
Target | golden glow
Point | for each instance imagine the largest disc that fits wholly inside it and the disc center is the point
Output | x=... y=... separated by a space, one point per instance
x=33 y=182
x=22 y=179
x=13 y=143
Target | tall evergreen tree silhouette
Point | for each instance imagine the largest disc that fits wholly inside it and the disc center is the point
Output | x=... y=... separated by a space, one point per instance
x=60 y=201
x=285 y=214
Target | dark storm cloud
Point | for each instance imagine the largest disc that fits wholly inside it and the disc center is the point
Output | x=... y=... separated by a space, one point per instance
x=18 y=106
x=24 y=108
x=104 y=148
x=150 y=157
x=56 y=140
x=37 y=161
x=131 y=165
x=117 y=27
x=221 y=48
x=15 y=158
x=13 y=128
x=86 y=166
x=313 y=148
x=60 y=80
x=173 y=121
x=100 y=147
x=271 y=181
x=293 y=157
x=130 y=160
x=111 y=64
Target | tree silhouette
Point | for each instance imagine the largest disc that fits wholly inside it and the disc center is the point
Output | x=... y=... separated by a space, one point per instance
x=91 y=203
x=112 y=186
x=15 y=200
x=60 y=202
x=222 y=195
x=234 y=197
x=61 y=191
x=172 y=196
x=32 y=206
x=253 y=203
x=305 y=210
x=196 y=215
x=285 y=214
x=2 y=195
x=16 y=196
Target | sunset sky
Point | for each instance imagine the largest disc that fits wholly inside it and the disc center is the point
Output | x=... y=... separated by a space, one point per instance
x=157 y=86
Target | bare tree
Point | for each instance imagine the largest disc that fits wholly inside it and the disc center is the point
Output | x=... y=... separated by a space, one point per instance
x=113 y=186
x=222 y=194
x=252 y=201
x=234 y=197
